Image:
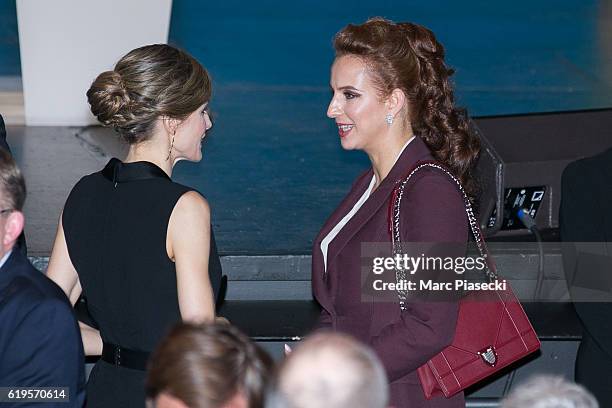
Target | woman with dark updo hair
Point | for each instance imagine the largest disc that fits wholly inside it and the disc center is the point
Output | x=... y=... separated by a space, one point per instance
x=392 y=99
x=138 y=246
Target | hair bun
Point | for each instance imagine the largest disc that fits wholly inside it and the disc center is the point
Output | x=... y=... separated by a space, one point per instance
x=148 y=83
x=108 y=99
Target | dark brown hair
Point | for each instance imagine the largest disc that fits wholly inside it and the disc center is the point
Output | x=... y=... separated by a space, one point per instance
x=148 y=83
x=206 y=365
x=407 y=56
x=12 y=185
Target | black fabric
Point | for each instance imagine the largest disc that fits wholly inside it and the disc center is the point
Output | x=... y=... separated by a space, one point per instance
x=122 y=357
x=115 y=222
x=584 y=217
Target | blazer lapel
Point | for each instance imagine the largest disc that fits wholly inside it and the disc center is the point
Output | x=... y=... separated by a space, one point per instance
x=416 y=151
x=345 y=205
x=318 y=265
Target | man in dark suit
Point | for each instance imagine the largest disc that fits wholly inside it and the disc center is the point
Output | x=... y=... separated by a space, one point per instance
x=40 y=342
x=586 y=228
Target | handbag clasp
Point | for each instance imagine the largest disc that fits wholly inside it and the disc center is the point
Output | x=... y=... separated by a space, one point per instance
x=489 y=356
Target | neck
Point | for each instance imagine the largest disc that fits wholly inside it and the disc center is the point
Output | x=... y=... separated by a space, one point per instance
x=384 y=158
x=149 y=152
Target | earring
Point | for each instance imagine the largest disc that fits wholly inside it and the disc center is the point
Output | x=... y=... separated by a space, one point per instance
x=171 y=146
x=389 y=119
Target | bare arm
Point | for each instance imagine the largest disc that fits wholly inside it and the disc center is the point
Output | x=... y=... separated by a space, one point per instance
x=60 y=269
x=92 y=341
x=63 y=273
x=188 y=244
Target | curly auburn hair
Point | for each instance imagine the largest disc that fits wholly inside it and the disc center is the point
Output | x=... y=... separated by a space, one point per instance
x=407 y=56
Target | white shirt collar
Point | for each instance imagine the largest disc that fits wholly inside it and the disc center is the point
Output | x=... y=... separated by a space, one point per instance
x=403 y=148
x=5 y=257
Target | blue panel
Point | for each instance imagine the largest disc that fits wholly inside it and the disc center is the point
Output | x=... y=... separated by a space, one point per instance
x=10 y=63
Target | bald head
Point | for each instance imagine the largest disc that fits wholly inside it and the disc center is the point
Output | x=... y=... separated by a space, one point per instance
x=330 y=371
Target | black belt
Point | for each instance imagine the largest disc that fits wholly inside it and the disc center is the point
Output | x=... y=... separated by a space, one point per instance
x=123 y=357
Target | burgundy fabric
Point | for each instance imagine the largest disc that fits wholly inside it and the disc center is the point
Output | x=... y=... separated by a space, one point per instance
x=432 y=211
x=490 y=324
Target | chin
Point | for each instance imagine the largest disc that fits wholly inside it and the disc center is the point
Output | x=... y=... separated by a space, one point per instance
x=348 y=145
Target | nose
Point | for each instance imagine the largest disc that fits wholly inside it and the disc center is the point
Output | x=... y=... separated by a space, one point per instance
x=208 y=122
x=334 y=109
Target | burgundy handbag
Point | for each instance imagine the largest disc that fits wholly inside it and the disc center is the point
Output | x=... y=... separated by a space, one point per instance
x=492 y=329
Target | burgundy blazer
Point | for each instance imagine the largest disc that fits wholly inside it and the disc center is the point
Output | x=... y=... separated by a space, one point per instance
x=432 y=210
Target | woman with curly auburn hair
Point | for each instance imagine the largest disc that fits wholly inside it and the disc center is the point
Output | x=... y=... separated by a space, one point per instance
x=392 y=99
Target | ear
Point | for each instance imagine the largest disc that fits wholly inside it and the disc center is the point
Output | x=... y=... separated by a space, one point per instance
x=12 y=228
x=396 y=102
x=170 y=124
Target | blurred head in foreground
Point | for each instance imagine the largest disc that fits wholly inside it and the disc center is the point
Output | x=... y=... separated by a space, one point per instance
x=549 y=392
x=330 y=370
x=207 y=366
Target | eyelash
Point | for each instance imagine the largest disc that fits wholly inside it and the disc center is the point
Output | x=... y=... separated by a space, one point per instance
x=347 y=95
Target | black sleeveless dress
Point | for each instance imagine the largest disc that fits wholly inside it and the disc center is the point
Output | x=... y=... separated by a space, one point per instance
x=115 y=223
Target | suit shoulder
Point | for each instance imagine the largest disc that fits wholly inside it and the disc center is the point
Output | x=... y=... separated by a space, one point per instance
x=590 y=165
x=575 y=169
x=588 y=172
x=434 y=183
x=33 y=287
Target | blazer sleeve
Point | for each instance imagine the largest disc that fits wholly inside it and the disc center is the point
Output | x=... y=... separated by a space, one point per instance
x=48 y=339
x=324 y=321
x=432 y=210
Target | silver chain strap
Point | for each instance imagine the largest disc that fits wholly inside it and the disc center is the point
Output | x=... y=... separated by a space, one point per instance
x=474 y=227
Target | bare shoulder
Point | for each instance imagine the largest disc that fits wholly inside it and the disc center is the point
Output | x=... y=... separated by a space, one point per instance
x=191 y=204
x=191 y=217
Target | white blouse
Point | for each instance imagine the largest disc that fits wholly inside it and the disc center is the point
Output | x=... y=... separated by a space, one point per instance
x=332 y=234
